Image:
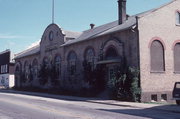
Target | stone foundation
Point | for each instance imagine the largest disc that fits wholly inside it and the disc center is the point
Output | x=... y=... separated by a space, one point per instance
x=165 y=96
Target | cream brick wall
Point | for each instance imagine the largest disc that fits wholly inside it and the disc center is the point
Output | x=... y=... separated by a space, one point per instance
x=159 y=23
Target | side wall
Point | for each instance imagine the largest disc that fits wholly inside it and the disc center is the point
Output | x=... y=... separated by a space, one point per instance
x=130 y=50
x=158 y=25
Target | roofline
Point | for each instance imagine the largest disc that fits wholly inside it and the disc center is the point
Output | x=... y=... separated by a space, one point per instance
x=154 y=9
x=48 y=28
x=5 y=51
x=27 y=50
x=96 y=35
x=26 y=55
x=92 y=37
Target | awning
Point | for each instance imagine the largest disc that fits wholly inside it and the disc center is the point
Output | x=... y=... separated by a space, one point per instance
x=109 y=61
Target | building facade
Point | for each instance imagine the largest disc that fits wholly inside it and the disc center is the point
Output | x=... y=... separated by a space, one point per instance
x=148 y=41
x=6 y=69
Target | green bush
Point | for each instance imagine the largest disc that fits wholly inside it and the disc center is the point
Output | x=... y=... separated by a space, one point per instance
x=43 y=74
x=94 y=78
x=125 y=86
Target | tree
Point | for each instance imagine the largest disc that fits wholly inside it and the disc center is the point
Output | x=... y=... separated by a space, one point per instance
x=125 y=86
x=43 y=74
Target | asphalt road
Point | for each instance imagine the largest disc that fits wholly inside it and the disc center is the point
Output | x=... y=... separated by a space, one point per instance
x=18 y=106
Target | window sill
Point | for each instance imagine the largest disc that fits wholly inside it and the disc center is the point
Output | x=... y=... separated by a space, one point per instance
x=158 y=72
x=177 y=24
x=176 y=72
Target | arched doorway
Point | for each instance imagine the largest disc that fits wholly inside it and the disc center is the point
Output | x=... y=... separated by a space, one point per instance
x=111 y=55
x=112 y=61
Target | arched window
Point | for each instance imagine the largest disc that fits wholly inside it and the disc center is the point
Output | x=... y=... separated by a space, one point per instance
x=111 y=53
x=72 y=62
x=26 y=70
x=35 y=68
x=17 y=72
x=157 y=56
x=46 y=62
x=57 y=63
x=17 y=69
x=177 y=57
x=89 y=58
x=89 y=55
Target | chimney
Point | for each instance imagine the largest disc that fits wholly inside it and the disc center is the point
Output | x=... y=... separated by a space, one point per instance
x=122 y=11
x=92 y=26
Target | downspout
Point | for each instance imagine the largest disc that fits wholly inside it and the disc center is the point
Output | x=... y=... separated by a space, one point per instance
x=138 y=52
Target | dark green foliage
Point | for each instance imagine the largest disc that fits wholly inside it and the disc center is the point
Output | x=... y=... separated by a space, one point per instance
x=125 y=86
x=94 y=77
x=30 y=74
x=54 y=75
x=88 y=72
x=135 y=88
x=43 y=74
x=22 y=77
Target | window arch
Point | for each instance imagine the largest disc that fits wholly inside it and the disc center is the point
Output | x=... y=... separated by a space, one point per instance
x=72 y=62
x=18 y=75
x=17 y=72
x=111 y=53
x=26 y=70
x=17 y=69
x=57 y=64
x=89 y=55
x=35 y=68
x=157 y=56
x=177 y=57
x=46 y=62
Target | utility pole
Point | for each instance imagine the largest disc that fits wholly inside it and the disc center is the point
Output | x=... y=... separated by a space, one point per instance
x=52 y=11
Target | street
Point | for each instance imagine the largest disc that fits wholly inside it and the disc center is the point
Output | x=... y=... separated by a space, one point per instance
x=21 y=106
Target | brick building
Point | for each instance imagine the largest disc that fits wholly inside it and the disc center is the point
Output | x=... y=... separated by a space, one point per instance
x=148 y=41
x=6 y=69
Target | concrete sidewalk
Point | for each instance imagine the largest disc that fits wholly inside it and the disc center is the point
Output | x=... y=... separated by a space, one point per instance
x=165 y=107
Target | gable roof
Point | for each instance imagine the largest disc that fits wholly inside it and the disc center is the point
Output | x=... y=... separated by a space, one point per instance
x=85 y=35
x=72 y=34
x=154 y=9
x=103 y=30
x=95 y=32
x=28 y=52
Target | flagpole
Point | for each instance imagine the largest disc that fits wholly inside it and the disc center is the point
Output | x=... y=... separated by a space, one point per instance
x=52 y=11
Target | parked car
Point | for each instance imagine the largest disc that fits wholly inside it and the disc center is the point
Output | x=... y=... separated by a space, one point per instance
x=176 y=93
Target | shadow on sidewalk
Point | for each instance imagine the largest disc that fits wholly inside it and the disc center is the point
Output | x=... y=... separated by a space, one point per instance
x=141 y=112
x=154 y=113
x=48 y=95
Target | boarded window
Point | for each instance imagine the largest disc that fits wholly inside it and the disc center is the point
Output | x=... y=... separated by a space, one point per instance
x=177 y=57
x=157 y=56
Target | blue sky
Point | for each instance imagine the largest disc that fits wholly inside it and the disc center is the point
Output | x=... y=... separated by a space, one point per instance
x=22 y=22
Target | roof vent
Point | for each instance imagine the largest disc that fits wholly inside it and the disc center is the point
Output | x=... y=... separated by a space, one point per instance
x=92 y=26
